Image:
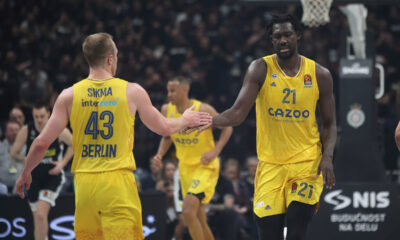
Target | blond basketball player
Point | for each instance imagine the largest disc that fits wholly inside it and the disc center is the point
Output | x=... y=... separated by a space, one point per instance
x=101 y=109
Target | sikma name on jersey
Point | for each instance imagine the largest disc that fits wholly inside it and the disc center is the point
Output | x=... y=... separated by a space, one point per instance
x=99 y=92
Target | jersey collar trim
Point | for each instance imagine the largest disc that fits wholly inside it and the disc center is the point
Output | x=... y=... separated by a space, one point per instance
x=283 y=73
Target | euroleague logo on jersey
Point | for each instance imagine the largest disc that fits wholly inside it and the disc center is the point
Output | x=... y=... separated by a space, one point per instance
x=307 y=81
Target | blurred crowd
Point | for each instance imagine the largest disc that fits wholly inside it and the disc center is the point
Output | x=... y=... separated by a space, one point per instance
x=211 y=41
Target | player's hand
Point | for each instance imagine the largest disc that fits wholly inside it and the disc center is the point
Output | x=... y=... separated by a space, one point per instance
x=156 y=162
x=24 y=180
x=195 y=119
x=57 y=169
x=202 y=128
x=207 y=157
x=199 y=129
x=326 y=167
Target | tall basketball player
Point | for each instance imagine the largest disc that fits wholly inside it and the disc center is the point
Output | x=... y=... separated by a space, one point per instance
x=287 y=88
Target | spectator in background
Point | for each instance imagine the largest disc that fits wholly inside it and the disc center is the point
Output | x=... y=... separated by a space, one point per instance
x=242 y=196
x=35 y=89
x=167 y=179
x=147 y=179
x=9 y=169
x=246 y=188
x=166 y=184
x=223 y=219
x=17 y=115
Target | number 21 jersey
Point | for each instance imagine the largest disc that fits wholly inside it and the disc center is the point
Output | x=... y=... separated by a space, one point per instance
x=287 y=131
x=102 y=126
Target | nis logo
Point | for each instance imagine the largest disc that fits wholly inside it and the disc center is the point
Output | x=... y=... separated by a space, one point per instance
x=367 y=199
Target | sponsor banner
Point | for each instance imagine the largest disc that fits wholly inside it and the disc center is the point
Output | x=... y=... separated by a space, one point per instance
x=349 y=211
x=359 y=68
x=16 y=218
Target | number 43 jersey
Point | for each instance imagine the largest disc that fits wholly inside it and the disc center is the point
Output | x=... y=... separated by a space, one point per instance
x=287 y=131
x=102 y=126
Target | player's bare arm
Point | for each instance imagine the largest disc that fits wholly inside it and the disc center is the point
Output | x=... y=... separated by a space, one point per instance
x=397 y=136
x=252 y=83
x=56 y=124
x=328 y=116
x=165 y=143
x=66 y=138
x=139 y=100
x=226 y=133
x=19 y=143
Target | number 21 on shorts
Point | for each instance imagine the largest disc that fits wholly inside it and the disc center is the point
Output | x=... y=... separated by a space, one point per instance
x=305 y=189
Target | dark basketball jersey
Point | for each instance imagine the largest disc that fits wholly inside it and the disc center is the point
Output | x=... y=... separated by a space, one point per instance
x=53 y=153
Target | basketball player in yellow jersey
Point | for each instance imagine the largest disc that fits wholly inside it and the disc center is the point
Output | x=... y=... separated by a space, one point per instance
x=197 y=155
x=102 y=110
x=287 y=88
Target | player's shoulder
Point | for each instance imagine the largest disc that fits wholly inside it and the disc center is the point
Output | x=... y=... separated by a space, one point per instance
x=258 y=67
x=134 y=87
x=67 y=92
x=134 y=90
x=205 y=107
x=321 y=70
x=66 y=95
x=259 y=62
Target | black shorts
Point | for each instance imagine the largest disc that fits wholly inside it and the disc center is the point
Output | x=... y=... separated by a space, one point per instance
x=44 y=186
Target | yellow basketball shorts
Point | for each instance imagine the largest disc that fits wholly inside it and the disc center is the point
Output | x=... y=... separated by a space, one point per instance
x=107 y=206
x=198 y=179
x=276 y=186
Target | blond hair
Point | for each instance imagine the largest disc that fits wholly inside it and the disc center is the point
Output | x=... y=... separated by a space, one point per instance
x=97 y=47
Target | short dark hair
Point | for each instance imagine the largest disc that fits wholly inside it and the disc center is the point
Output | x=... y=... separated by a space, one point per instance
x=182 y=79
x=96 y=47
x=282 y=18
x=40 y=104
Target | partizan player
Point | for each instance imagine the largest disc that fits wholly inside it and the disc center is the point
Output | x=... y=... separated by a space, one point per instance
x=48 y=177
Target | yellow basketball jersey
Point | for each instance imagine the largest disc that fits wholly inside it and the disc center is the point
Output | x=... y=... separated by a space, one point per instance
x=189 y=148
x=287 y=131
x=102 y=126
